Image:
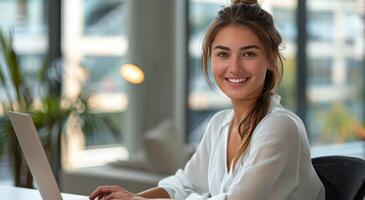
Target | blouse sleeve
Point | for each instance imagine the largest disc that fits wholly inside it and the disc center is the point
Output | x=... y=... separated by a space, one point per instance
x=193 y=179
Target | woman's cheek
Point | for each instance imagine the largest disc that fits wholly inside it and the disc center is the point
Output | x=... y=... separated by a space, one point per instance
x=217 y=67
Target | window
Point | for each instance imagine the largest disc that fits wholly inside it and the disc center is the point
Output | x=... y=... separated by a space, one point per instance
x=25 y=21
x=105 y=87
x=320 y=24
x=97 y=18
x=284 y=19
x=94 y=47
x=320 y=73
x=335 y=81
x=354 y=72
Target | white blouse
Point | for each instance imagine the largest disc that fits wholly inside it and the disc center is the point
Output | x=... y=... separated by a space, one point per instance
x=276 y=164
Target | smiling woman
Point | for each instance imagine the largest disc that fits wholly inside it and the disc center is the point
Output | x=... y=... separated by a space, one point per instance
x=256 y=150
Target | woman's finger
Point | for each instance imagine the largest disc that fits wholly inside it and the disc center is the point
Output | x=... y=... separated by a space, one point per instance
x=119 y=196
x=104 y=190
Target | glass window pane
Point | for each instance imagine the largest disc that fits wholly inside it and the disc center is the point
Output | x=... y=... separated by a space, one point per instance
x=285 y=22
x=94 y=40
x=25 y=17
x=97 y=15
x=320 y=25
x=335 y=73
x=107 y=98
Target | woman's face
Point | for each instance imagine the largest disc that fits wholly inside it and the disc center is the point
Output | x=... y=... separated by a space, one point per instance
x=239 y=62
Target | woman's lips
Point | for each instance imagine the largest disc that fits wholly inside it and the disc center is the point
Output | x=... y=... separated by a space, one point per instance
x=237 y=82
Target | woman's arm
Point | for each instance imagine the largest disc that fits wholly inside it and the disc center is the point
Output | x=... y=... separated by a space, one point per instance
x=153 y=193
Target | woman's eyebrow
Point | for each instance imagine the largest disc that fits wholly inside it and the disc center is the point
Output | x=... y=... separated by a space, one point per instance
x=242 y=48
x=249 y=47
x=221 y=47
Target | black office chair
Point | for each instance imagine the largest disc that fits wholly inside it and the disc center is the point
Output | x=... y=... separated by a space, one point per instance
x=343 y=177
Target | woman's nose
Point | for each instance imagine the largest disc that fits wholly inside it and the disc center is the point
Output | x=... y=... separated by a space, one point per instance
x=235 y=65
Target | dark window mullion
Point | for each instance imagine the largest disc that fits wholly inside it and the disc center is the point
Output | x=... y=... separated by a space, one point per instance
x=301 y=61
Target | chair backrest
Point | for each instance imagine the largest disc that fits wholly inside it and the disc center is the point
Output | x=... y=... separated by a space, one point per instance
x=343 y=177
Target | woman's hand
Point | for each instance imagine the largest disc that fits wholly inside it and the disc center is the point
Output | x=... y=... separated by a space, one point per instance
x=113 y=192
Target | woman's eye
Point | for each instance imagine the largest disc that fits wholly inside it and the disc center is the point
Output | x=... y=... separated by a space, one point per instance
x=249 y=54
x=222 y=54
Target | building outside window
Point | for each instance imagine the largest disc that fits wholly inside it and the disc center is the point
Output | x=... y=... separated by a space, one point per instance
x=335 y=85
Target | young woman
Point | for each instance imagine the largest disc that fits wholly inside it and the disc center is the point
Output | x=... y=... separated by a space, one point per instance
x=257 y=149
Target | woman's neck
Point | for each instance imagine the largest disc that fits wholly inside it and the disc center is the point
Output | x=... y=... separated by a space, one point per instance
x=241 y=108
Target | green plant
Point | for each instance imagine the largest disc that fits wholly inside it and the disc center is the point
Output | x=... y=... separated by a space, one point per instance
x=339 y=124
x=39 y=95
x=287 y=86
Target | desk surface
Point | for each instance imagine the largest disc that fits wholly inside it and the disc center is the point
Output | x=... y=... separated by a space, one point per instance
x=16 y=193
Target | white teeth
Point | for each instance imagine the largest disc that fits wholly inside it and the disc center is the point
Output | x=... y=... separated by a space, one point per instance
x=238 y=80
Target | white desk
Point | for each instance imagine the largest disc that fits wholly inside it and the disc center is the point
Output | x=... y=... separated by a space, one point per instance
x=16 y=193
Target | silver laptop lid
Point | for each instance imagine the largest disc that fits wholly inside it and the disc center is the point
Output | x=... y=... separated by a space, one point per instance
x=34 y=155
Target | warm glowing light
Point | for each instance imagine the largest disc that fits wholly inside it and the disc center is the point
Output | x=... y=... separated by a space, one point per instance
x=132 y=73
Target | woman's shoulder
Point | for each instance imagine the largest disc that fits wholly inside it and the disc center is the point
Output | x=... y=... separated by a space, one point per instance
x=283 y=115
x=277 y=112
x=282 y=123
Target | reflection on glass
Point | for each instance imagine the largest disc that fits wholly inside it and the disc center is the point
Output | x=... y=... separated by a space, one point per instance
x=107 y=97
x=104 y=18
x=336 y=71
x=103 y=74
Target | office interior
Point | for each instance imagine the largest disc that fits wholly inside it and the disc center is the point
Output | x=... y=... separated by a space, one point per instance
x=131 y=70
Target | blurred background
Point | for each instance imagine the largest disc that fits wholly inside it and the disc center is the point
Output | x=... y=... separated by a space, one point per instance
x=324 y=73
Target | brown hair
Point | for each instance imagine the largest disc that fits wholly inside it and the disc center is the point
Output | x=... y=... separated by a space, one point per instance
x=244 y=1
x=249 y=14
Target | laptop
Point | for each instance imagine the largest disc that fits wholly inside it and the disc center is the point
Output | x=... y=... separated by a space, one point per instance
x=36 y=157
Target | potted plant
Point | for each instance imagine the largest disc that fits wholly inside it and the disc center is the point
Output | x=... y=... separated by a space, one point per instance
x=39 y=95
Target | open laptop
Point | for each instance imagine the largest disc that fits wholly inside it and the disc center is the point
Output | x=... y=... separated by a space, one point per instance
x=36 y=157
